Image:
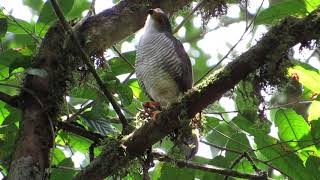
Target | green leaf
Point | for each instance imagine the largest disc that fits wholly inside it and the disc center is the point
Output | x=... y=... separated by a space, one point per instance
x=34 y=4
x=307 y=76
x=8 y=131
x=78 y=7
x=3 y=27
x=22 y=40
x=119 y=66
x=15 y=115
x=315 y=126
x=253 y=128
x=47 y=15
x=8 y=136
x=292 y=126
x=211 y=122
x=74 y=101
x=220 y=135
x=17 y=26
x=312 y=4
x=125 y=94
x=15 y=59
x=134 y=85
x=86 y=92
x=280 y=157
x=246 y=101
x=279 y=10
x=58 y=156
x=156 y=172
x=110 y=80
x=219 y=161
x=4 y=72
x=219 y=138
x=100 y=125
x=76 y=142
x=65 y=172
x=314 y=111
x=100 y=108
x=8 y=89
x=238 y=142
x=136 y=89
x=244 y=166
x=170 y=172
x=313 y=166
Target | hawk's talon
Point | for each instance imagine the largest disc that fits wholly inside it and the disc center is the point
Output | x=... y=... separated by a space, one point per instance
x=155 y=115
x=151 y=109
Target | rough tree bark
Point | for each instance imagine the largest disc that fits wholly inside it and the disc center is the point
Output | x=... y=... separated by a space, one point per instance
x=31 y=158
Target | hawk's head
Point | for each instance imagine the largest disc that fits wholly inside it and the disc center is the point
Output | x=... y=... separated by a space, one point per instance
x=158 y=20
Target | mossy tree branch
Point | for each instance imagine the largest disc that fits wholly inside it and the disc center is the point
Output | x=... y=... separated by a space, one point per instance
x=271 y=48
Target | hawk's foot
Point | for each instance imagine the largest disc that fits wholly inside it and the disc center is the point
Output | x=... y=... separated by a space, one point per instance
x=151 y=109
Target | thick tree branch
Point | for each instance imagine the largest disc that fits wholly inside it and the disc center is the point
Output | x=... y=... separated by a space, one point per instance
x=208 y=168
x=112 y=25
x=95 y=137
x=11 y=100
x=272 y=47
x=31 y=156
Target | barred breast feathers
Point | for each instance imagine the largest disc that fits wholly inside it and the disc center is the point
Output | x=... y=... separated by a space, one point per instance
x=157 y=67
x=158 y=50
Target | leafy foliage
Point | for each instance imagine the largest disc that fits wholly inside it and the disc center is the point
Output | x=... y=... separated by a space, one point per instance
x=277 y=136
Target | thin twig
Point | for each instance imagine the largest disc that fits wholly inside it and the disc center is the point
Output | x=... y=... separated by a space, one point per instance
x=270 y=108
x=65 y=168
x=128 y=77
x=229 y=138
x=95 y=137
x=220 y=147
x=11 y=100
x=127 y=61
x=207 y=168
x=259 y=149
x=22 y=27
x=86 y=59
x=188 y=16
x=29 y=91
x=238 y=152
x=119 y=105
x=249 y=158
x=283 y=142
x=290 y=152
x=231 y=49
x=75 y=115
x=92 y=10
x=122 y=57
x=91 y=151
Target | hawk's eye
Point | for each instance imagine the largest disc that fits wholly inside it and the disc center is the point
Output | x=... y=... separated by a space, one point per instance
x=160 y=19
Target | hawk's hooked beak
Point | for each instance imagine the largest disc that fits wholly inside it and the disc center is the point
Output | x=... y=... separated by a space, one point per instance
x=150 y=11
